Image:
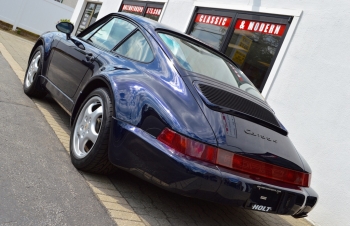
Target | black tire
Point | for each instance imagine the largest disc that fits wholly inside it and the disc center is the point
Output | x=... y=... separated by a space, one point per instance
x=96 y=159
x=34 y=89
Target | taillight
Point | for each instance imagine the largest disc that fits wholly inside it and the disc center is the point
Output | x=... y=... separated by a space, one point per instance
x=188 y=146
x=231 y=160
x=263 y=169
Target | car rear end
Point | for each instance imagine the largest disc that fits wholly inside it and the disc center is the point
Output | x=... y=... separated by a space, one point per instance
x=258 y=166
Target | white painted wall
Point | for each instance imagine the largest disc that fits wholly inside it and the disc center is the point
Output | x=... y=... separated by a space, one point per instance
x=36 y=16
x=109 y=6
x=312 y=98
x=309 y=90
x=70 y=3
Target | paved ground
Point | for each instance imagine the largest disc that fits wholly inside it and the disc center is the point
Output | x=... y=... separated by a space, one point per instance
x=132 y=201
x=38 y=185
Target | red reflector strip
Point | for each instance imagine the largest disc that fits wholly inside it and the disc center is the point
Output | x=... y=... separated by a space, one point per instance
x=267 y=170
x=230 y=160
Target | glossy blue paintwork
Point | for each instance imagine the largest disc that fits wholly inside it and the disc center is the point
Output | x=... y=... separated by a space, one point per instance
x=158 y=86
x=143 y=155
x=150 y=96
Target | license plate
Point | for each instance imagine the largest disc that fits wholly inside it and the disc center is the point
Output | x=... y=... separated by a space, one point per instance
x=264 y=199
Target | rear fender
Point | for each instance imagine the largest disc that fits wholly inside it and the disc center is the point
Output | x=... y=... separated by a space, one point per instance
x=165 y=99
x=99 y=81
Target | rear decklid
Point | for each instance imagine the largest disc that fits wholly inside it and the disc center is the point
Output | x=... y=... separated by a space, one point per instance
x=244 y=124
x=239 y=116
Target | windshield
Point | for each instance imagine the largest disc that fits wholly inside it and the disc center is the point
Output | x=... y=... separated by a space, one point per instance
x=194 y=57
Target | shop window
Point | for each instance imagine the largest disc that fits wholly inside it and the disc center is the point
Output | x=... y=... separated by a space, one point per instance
x=147 y=9
x=211 y=29
x=253 y=47
x=251 y=40
x=89 y=17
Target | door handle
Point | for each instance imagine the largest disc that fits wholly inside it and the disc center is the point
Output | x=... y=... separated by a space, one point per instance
x=113 y=68
x=89 y=56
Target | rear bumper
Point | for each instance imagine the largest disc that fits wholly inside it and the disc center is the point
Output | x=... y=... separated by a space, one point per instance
x=140 y=153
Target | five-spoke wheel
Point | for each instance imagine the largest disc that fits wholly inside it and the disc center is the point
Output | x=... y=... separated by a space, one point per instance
x=31 y=85
x=90 y=135
x=88 y=127
x=32 y=69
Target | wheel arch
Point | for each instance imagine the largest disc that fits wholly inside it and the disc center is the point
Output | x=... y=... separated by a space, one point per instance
x=46 y=40
x=94 y=83
x=39 y=42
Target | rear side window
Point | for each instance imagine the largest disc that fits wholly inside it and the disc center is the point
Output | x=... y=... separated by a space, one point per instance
x=110 y=34
x=137 y=48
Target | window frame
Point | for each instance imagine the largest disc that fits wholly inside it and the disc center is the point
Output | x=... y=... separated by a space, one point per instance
x=105 y=49
x=103 y=22
x=113 y=51
x=249 y=15
x=210 y=49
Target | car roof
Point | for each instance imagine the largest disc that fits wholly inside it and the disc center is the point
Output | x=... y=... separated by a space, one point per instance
x=148 y=24
x=151 y=26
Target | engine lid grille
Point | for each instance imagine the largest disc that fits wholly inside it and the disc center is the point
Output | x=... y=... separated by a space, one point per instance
x=237 y=103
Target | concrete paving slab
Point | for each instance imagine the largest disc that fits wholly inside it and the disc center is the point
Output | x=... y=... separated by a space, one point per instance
x=19 y=48
x=38 y=186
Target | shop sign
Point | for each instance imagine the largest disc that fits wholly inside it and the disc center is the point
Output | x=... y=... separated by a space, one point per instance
x=261 y=27
x=213 y=20
x=245 y=42
x=154 y=11
x=132 y=8
x=239 y=57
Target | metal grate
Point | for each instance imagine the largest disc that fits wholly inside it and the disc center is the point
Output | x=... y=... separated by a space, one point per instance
x=229 y=100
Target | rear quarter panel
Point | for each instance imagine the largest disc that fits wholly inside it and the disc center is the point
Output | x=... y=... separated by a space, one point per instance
x=156 y=86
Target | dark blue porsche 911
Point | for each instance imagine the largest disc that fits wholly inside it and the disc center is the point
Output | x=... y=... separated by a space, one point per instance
x=173 y=111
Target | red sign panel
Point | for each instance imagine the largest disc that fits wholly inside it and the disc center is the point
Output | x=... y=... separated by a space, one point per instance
x=133 y=8
x=154 y=11
x=262 y=27
x=214 y=20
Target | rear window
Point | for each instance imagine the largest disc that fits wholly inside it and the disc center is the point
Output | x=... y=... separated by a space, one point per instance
x=196 y=58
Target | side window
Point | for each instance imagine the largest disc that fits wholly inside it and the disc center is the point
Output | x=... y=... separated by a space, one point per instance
x=111 y=33
x=137 y=48
x=87 y=36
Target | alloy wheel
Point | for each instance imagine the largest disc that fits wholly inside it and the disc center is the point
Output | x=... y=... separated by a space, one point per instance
x=33 y=69
x=87 y=127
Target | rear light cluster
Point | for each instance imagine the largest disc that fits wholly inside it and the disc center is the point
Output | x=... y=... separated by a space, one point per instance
x=231 y=160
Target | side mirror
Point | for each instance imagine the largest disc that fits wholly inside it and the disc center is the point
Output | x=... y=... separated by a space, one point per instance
x=66 y=28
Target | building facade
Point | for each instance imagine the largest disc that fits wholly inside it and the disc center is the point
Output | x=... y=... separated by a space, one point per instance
x=70 y=3
x=293 y=51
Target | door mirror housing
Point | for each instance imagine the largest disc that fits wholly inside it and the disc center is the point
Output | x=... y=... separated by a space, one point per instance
x=65 y=27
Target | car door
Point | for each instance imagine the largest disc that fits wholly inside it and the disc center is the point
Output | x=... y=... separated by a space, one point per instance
x=70 y=61
x=74 y=57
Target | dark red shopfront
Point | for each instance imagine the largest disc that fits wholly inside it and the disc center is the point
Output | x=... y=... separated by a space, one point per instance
x=150 y=10
x=251 y=40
